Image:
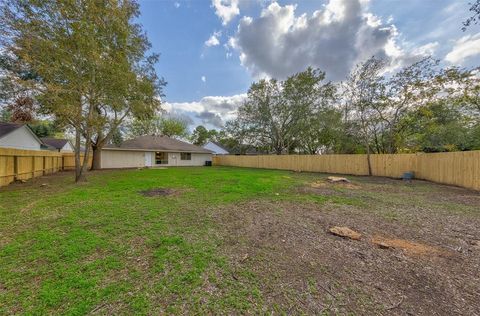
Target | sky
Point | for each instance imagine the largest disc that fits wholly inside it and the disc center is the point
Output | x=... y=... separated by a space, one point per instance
x=211 y=51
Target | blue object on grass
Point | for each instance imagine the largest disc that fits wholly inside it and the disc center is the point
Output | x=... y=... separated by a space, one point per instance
x=408 y=175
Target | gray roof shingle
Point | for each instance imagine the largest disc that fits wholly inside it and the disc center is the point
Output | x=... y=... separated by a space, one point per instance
x=54 y=142
x=7 y=128
x=160 y=143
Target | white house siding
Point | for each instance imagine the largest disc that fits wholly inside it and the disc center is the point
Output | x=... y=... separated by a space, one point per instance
x=174 y=160
x=135 y=159
x=21 y=138
x=122 y=159
x=215 y=148
x=67 y=148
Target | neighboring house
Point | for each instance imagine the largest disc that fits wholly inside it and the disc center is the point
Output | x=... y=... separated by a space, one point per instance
x=60 y=145
x=217 y=148
x=19 y=136
x=151 y=151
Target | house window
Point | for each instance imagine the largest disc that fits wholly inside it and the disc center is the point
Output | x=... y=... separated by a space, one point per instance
x=161 y=158
x=185 y=156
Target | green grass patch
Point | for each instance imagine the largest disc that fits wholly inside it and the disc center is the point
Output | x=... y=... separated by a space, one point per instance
x=103 y=247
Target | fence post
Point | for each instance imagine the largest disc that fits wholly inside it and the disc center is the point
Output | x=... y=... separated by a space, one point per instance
x=43 y=168
x=33 y=166
x=15 y=168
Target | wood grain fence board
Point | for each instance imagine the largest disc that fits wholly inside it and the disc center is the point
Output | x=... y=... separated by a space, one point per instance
x=18 y=164
x=454 y=168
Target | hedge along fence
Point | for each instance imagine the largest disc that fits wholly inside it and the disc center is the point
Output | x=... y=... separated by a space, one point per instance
x=455 y=168
x=18 y=164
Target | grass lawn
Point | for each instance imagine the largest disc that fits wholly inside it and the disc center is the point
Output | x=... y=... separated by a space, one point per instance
x=236 y=241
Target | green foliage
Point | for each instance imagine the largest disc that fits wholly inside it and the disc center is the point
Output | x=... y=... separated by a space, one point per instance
x=47 y=128
x=318 y=123
x=5 y=115
x=437 y=127
x=282 y=116
x=117 y=137
x=158 y=125
x=376 y=112
x=92 y=59
x=200 y=135
x=173 y=127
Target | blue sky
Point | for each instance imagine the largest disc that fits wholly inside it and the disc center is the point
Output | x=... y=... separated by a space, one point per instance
x=211 y=51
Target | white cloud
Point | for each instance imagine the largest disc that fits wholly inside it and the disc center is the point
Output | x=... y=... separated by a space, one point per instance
x=464 y=48
x=213 y=40
x=334 y=39
x=176 y=4
x=226 y=10
x=212 y=111
x=204 y=79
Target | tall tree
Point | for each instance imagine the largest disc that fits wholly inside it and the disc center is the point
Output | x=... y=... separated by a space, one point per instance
x=47 y=128
x=265 y=120
x=438 y=126
x=287 y=116
x=201 y=135
x=159 y=125
x=475 y=17
x=406 y=90
x=362 y=93
x=22 y=110
x=17 y=99
x=131 y=88
x=90 y=56
x=173 y=127
x=310 y=103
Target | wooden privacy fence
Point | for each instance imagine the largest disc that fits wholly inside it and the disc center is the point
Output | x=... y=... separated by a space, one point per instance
x=17 y=164
x=455 y=168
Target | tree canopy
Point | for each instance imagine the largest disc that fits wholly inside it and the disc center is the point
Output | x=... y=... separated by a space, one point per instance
x=419 y=107
x=169 y=126
x=90 y=63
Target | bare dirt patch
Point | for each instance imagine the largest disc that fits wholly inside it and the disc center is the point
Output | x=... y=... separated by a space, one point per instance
x=339 y=184
x=455 y=195
x=324 y=187
x=159 y=192
x=409 y=247
x=302 y=268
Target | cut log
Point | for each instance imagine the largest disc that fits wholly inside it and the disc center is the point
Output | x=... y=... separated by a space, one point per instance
x=345 y=232
x=337 y=179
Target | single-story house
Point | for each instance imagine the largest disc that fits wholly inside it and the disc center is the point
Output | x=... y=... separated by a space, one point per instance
x=19 y=136
x=151 y=151
x=217 y=148
x=60 y=145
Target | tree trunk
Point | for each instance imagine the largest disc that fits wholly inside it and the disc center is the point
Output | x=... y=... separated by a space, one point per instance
x=84 y=167
x=78 y=171
x=368 y=160
x=96 y=158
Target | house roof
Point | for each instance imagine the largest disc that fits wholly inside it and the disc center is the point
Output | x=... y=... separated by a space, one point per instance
x=157 y=143
x=220 y=145
x=7 y=128
x=54 y=142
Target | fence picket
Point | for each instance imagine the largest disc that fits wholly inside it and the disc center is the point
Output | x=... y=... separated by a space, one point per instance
x=455 y=168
